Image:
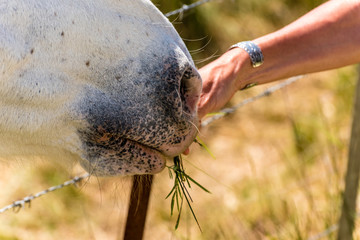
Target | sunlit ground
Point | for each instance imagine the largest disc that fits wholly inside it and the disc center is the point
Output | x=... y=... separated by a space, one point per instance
x=277 y=174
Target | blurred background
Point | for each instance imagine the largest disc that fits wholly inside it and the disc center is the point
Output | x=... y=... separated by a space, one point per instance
x=278 y=165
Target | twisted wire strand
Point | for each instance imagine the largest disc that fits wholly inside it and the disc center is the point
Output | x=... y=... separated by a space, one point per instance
x=226 y=111
x=328 y=231
x=325 y=233
x=17 y=205
x=185 y=7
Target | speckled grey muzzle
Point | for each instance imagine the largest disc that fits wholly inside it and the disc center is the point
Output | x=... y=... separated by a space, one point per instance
x=134 y=126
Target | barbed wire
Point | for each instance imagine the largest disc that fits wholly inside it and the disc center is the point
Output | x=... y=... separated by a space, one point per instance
x=226 y=111
x=328 y=231
x=17 y=205
x=325 y=233
x=185 y=8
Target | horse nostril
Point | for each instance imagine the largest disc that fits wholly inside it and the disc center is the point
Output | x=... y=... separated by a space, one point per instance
x=190 y=88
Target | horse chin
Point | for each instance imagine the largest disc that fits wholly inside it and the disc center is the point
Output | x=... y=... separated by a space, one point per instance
x=171 y=151
x=129 y=157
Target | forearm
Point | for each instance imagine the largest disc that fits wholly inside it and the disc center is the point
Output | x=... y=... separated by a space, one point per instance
x=327 y=37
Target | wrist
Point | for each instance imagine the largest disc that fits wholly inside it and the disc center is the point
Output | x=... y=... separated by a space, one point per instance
x=243 y=71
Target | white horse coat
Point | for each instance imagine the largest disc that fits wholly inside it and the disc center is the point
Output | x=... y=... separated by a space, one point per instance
x=107 y=83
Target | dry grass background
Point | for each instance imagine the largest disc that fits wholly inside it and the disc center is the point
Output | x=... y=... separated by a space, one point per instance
x=277 y=173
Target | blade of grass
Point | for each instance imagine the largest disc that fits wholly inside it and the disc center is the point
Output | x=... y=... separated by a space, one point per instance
x=203 y=145
x=191 y=209
x=180 y=191
x=197 y=184
x=178 y=218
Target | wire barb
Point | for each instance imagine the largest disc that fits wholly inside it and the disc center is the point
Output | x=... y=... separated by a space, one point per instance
x=185 y=8
x=18 y=205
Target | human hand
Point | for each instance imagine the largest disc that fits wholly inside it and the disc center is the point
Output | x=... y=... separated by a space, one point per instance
x=221 y=80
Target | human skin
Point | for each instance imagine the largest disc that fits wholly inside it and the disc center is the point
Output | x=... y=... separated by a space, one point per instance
x=327 y=37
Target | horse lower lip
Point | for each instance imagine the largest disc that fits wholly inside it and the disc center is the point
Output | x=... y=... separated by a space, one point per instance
x=165 y=153
x=149 y=147
x=142 y=145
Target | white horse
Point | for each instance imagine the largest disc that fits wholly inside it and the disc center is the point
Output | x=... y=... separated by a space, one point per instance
x=107 y=83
